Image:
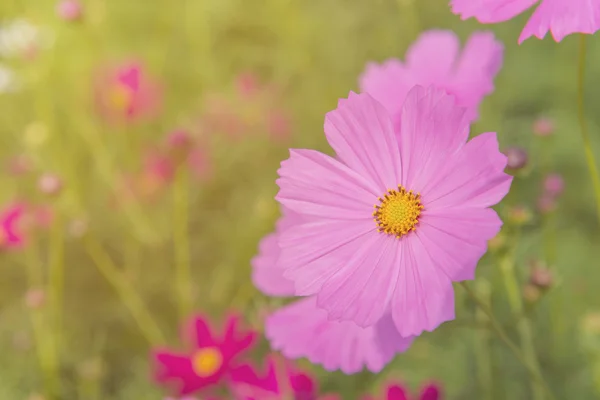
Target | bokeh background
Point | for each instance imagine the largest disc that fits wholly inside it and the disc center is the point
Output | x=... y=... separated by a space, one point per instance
x=245 y=80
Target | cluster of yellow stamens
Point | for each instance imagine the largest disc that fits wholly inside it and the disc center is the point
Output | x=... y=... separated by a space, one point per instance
x=207 y=361
x=398 y=212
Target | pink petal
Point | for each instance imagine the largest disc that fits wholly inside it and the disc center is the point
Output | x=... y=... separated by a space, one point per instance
x=424 y=297
x=314 y=251
x=303 y=330
x=476 y=69
x=432 y=129
x=473 y=177
x=267 y=274
x=236 y=341
x=361 y=132
x=490 y=11
x=396 y=392
x=313 y=183
x=176 y=370
x=431 y=392
x=562 y=18
x=361 y=290
x=457 y=238
x=432 y=56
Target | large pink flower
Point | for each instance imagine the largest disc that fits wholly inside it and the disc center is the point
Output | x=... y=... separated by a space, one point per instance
x=209 y=361
x=560 y=17
x=435 y=59
x=397 y=216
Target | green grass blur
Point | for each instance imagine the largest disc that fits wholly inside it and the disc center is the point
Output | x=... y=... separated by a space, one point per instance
x=314 y=51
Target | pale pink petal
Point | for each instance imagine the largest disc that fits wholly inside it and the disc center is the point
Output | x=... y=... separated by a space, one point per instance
x=432 y=56
x=303 y=330
x=473 y=177
x=361 y=133
x=432 y=129
x=361 y=290
x=562 y=18
x=315 y=184
x=424 y=296
x=476 y=69
x=490 y=11
x=457 y=238
x=312 y=252
x=267 y=276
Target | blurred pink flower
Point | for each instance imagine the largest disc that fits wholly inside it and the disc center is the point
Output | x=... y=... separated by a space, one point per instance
x=546 y=204
x=516 y=157
x=247 y=85
x=12 y=234
x=35 y=298
x=50 y=184
x=19 y=165
x=280 y=383
x=543 y=127
x=399 y=392
x=126 y=93
x=435 y=59
x=69 y=10
x=560 y=17
x=209 y=359
x=397 y=216
x=554 y=185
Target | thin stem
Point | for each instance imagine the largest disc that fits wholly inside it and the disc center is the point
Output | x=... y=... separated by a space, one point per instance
x=533 y=372
x=585 y=136
x=56 y=277
x=183 y=276
x=126 y=291
x=482 y=343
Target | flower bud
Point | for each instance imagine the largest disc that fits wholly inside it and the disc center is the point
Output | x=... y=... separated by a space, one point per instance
x=554 y=185
x=543 y=127
x=516 y=158
x=69 y=10
x=50 y=184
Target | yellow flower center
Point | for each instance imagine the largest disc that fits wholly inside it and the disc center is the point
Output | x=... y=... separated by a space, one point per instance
x=207 y=361
x=119 y=97
x=398 y=212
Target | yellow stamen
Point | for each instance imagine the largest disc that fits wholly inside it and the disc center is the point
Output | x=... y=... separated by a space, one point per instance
x=207 y=361
x=120 y=97
x=398 y=212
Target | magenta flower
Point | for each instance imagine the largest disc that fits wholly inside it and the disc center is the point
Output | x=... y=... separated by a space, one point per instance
x=209 y=361
x=435 y=59
x=126 y=93
x=280 y=383
x=302 y=329
x=398 y=392
x=560 y=17
x=11 y=234
x=397 y=217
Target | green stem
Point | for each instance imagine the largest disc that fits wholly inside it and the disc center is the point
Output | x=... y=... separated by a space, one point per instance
x=533 y=372
x=56 y=277
x=482 y=351
x=585 y=136
x=183 y=276
x=126 y=291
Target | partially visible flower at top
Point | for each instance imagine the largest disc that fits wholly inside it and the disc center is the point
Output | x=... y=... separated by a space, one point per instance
x=543 y=126
x=20 y=38
x=516 y=158
x=126 y=93
x=397 y=216
x=435 y=59
x=69 y=10
x=11 y=234
x=8 y=80
x=302 y=329
x=209 y=360
x=554 y=184
x=560 y=17
x=398 y=392
x=281 y=381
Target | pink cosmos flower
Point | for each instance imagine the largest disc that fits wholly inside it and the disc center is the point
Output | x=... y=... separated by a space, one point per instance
x=397 y=217
x=560 y=17
x=398 y=392
x=302 y=329
x=10 y=218
x=125 y=93
x=210 y=359
x=435 y=59
x=277 y=384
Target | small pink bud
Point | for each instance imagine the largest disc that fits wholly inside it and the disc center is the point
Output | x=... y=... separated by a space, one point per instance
x=554 y=185
x=50 y=184
x=517 y=158
x=69 y=10
x=35 y=298
x=19 y=165
x=540 y=276
x=543 y=127
x=546 y=204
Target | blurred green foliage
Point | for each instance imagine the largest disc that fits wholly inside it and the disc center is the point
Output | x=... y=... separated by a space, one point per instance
x=314 y=51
